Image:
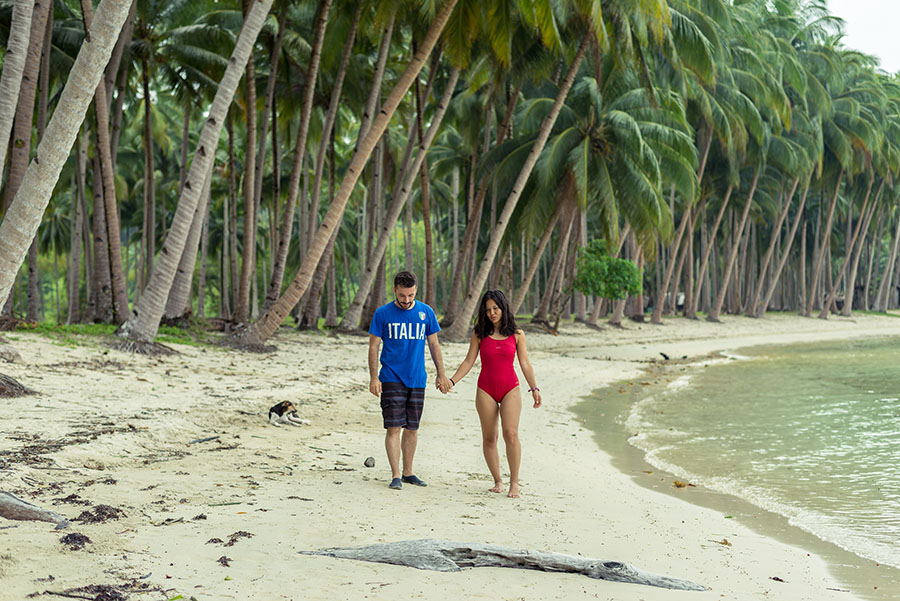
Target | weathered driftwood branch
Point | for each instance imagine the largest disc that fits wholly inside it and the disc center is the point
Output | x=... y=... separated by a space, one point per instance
x=14 y=508
x=448 y=556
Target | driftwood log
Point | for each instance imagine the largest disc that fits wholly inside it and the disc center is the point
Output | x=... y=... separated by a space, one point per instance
x=448 y=556
x=14 y=508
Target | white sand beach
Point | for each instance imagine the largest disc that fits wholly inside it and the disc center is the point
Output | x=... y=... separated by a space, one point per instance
x=124 y=424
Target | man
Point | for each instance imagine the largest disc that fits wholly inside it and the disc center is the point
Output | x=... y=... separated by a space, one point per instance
x=402 y=327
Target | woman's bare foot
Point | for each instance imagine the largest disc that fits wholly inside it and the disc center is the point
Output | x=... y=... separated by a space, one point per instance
x=513 y=490
x=498 y=487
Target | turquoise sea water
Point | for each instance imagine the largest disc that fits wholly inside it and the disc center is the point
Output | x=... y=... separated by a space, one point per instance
x=811 y=432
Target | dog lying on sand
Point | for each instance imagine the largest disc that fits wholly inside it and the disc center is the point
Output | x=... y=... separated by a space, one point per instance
x=285 y=413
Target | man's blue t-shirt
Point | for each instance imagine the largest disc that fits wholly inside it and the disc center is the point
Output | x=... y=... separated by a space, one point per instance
x=403 y=333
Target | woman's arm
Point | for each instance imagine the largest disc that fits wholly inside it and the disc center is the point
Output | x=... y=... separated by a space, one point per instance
x=527 y=370
x=468 y=362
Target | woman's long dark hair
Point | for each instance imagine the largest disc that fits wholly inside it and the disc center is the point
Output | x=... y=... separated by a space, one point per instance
x=484 y=327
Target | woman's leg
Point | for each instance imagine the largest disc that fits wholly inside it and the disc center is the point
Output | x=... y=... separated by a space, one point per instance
x=487 y=413
x=510 y=410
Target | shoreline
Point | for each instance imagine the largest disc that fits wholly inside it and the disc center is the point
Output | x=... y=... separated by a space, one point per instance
x=125 y=426
x=864 y=577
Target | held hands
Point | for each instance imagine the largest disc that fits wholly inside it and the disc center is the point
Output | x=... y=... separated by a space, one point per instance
x=443 y=384
x=375 y=387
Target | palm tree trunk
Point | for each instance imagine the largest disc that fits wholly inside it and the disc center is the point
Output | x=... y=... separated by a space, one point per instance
x=754 y=310
x=820 y=254
x=729 y=263
x=287 y=223
x=519 y=296
x=149 y=231
x=776 y=277
x=850 y=286
x=142 y=327
x=874 y=253
x=330 y=117
x=267 y=108
x=20 y=148
x=470 y=237
x=266 y=325
x=848 y=253
x=670 y=268
x=117 y=80
x=242 y=308
x=204 y=252
x=13 y=68
x=430 y=292
x=704 y=262
x=399 y=199
x=114 y=237
x=24 y=214
x=178 y=304
x=75 y=239
x=556 y=270
x=460 y=326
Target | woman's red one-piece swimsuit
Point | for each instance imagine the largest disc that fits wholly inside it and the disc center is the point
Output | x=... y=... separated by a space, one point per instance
x=498 y=376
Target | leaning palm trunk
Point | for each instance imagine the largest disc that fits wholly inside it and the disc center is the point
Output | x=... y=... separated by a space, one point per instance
x=354 y=311
x=287 y=222
x=848 y=255
x=754 y=309
x=850 y=287
x=142 y=327
x=269 y=321
x=179 y=302
x=460 y=326
x=27 y=208
x=113 y=235
x=470 y=237
x=764 y=305
x=519 y=296
x=13 y=67
x=820 y=254
x=704 y=263
x=732 y=256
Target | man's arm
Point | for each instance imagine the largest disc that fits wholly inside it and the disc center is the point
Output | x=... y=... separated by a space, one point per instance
x=442 y=383
x=374 y=383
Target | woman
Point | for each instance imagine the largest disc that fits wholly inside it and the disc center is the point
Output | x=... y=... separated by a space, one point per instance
x=498 y=340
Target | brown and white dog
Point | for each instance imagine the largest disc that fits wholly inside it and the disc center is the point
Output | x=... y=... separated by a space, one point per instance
x=285 y=413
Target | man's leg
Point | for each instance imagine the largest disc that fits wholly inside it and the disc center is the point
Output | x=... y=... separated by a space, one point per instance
x=408 y=444
x=392 y=446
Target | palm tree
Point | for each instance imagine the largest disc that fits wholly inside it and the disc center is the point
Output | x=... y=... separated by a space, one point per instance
x=269 y=321
x=24 y=213
x=141 y=329
x=13 y=66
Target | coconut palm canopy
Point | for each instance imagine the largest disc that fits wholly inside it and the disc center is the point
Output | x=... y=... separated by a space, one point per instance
x=252 y=160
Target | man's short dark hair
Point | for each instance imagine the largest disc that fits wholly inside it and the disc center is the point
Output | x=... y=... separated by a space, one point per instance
x=405 y=279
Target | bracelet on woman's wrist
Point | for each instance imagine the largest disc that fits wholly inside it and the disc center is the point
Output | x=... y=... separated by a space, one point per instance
x=533 y=389
x=452 y=383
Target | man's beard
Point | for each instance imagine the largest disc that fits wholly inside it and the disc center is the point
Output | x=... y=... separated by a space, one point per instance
x=405 y=305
